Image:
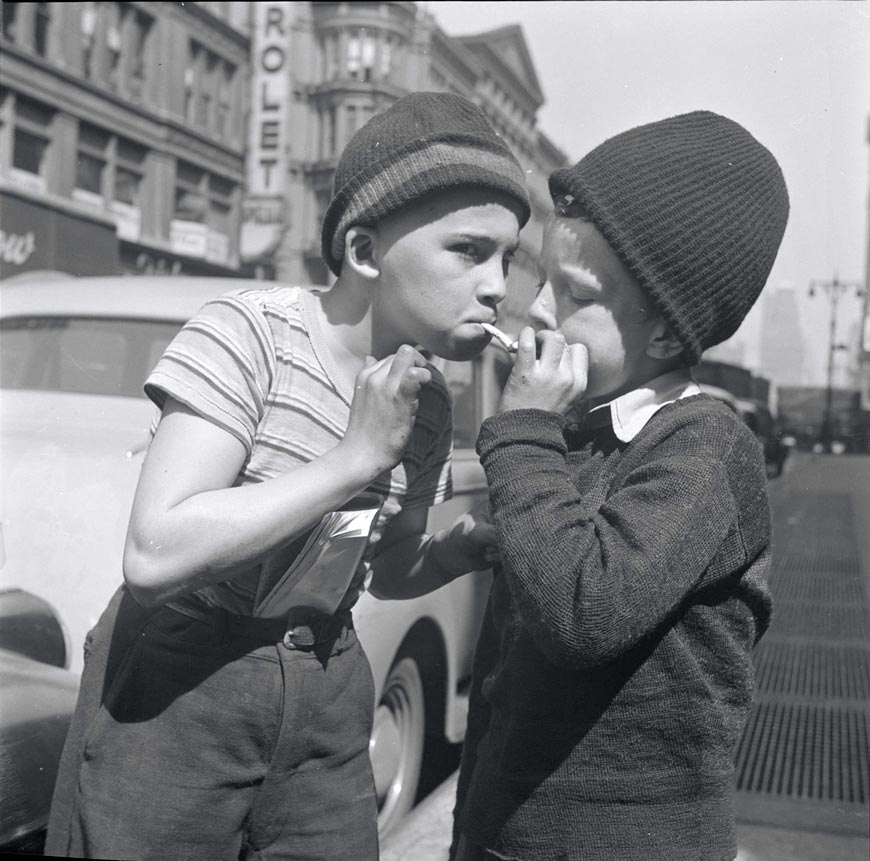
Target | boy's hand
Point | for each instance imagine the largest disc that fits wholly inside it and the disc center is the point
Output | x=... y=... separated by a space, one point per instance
x=385 y=401
x=553 y=381
x=470 y=544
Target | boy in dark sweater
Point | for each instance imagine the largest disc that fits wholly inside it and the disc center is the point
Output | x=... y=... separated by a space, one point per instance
x=613 y=675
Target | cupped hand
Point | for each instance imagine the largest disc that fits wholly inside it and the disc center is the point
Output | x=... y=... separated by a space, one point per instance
x=548 y=374
x=385 y=401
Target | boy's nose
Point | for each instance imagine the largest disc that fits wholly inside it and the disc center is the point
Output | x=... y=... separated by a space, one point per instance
x=542 y=311
x=493 y=285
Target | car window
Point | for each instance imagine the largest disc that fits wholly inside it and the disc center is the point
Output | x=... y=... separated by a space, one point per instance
x=97 y=356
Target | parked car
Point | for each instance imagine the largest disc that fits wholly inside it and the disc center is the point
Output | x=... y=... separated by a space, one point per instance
x=760 y=420
x=75 y=353
x=38 y=698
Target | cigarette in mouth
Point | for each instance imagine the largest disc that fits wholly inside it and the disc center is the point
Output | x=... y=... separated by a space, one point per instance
x=503 y=340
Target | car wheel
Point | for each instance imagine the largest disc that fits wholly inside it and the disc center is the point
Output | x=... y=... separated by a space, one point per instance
x=396 y=745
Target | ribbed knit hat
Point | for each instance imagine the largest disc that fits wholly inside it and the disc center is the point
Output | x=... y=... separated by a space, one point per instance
x=422 y=143
x=695 y=207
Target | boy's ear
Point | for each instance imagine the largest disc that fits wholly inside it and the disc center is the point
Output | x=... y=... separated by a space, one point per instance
x=359 y=251
x=662 y=344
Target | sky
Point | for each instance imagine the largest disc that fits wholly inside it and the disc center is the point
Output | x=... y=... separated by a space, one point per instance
x=796 y=74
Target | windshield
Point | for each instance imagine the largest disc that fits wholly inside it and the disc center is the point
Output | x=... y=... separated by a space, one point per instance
x=98 y=356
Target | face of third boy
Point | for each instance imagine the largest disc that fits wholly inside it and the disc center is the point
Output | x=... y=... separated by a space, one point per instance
x=443 y=264
x=590 y=297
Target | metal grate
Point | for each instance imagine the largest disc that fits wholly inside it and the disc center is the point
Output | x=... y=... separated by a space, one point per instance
x=806 y=742
x=812 y=671
x=802 y=586
x=806 y=752
x=828 y=621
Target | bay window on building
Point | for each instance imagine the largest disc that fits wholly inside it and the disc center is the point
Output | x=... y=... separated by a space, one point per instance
x=211 y=92
x=115 y=44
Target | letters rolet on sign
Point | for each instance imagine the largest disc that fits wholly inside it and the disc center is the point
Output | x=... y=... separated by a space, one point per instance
x=269 y=127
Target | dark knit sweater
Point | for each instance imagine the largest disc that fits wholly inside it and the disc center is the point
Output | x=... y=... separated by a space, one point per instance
x=613 y=673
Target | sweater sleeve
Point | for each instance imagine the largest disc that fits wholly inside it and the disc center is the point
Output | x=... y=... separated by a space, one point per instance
x=589 y=585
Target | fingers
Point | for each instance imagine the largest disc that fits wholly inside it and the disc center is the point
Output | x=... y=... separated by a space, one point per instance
x=409 y=371
x=578 y=358
x=552 y=348
x=527 y=348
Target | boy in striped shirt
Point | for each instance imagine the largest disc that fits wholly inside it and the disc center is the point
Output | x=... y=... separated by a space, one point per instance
x=201 y=730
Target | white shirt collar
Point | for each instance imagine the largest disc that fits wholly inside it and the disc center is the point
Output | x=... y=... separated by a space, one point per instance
x=630 y=412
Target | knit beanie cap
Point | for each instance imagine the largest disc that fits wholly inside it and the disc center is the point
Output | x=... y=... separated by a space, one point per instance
x=424 y=142
x=695 y=208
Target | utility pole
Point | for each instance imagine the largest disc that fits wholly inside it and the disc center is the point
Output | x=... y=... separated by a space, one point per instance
x=834 y=290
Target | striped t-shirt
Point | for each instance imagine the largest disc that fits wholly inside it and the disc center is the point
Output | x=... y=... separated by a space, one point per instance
x=256 y=363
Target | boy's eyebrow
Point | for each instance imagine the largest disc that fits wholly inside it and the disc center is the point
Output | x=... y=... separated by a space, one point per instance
x=471 y=236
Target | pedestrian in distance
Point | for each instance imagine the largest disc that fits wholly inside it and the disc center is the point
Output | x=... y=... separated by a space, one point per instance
x=202 y=730
x=613 y=674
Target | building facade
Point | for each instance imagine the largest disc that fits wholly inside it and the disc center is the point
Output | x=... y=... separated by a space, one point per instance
x=122 y=137
x=321 y=70
x=202 y=138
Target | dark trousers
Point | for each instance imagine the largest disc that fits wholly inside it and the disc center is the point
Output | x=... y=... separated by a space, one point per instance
x=191 y=742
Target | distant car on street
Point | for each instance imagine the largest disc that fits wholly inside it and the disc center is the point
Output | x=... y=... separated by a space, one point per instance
x=75 y=424
x=760 y=420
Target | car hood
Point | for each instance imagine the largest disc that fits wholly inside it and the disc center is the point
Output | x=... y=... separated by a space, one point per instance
x=69 y=466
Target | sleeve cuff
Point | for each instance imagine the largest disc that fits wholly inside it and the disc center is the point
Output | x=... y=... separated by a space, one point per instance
x=523 y=427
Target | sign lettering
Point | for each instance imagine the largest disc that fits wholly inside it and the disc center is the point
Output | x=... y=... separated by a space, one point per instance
x=16 y=248
x=268 y=141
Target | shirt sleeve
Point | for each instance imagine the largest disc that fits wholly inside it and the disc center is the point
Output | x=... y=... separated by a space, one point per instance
x=432 y=452
x=221 y=365
x=591 y=584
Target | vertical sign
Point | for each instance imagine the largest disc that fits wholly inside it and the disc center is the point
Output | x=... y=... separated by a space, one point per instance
x=267 y=165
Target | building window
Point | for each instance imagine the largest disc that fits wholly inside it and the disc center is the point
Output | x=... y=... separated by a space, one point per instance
x=331 y=131
x=209 y=91
x=129 y=168
x=360 y=56
x=113 y=47
x=386 y=57
x=88 y=29
x=225 y=99
x=330 y=57
x=41 y=25
x=28 y=151
x=140 y=34
x=203 y=218
x=368 y=56
x=189 y=199
x=91 y=159
x=10 y=20
x=353 y=56
x=193 y=52
x=220 y=219
x=30 y=142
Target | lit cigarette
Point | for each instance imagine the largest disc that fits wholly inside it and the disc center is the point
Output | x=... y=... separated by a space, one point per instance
x=503 y=340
